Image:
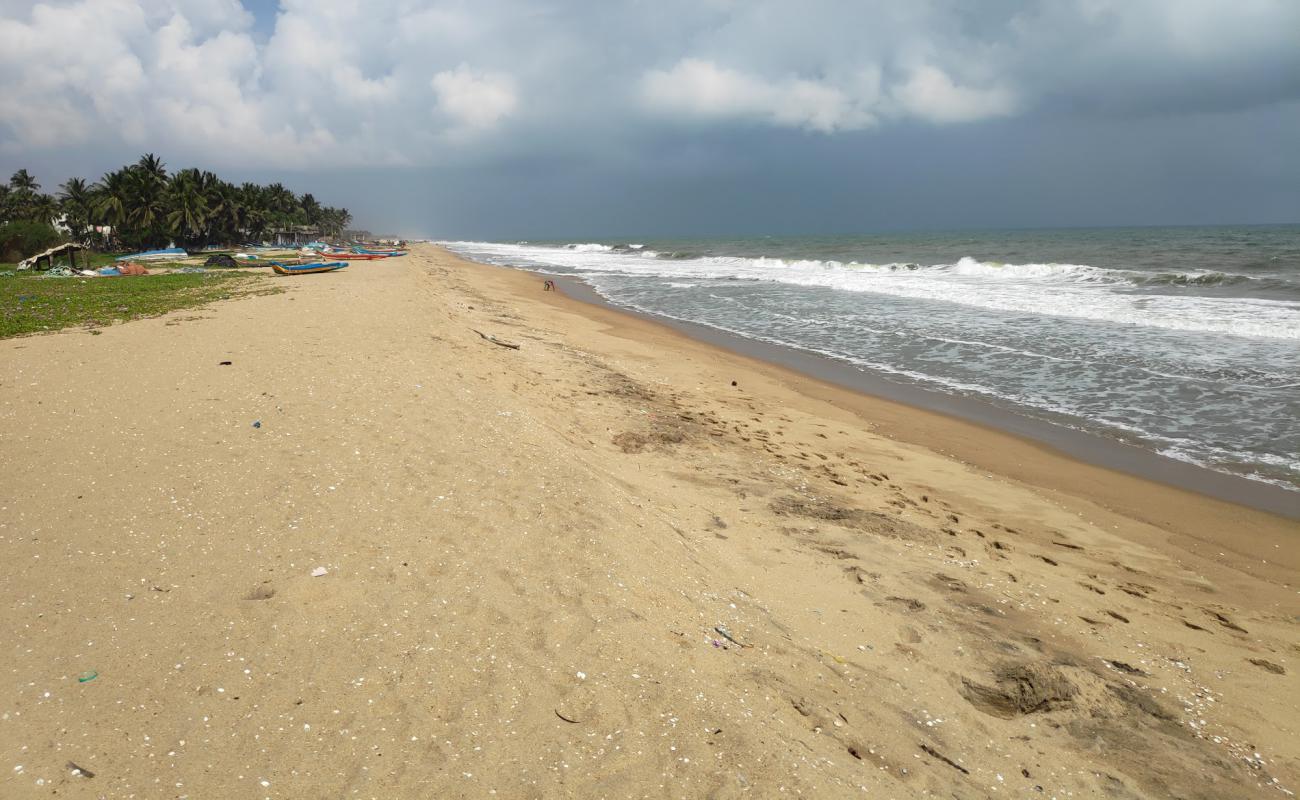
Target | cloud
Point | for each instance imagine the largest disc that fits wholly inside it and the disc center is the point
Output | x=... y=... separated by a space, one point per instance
x=475 y=100
x=931 y=95
x=699 y=89
x=353 y=84
x=702 y=89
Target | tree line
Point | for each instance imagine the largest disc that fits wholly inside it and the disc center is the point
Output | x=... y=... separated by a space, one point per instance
x=146 y=207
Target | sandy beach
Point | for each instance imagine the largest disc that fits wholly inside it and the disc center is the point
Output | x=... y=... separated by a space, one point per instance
x=382 y=554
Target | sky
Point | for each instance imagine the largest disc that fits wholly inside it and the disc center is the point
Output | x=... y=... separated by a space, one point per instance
x=510 y=119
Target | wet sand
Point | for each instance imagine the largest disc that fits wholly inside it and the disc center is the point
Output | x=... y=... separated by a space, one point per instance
x=614 y=562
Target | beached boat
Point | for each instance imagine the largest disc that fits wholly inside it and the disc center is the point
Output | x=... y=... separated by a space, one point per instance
x=155 y=255
x=356 y=256
x=306 y=269
x=386 y=253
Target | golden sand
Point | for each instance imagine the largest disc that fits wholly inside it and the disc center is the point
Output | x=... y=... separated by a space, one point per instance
x=591 y=567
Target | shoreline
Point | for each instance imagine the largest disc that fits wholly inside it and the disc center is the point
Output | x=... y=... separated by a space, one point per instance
x=1196 y=522
x=1078 y=445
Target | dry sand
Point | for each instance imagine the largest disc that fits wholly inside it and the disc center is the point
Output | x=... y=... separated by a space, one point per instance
x=530 y=556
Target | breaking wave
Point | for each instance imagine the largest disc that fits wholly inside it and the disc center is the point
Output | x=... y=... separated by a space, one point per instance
x=1078 y=291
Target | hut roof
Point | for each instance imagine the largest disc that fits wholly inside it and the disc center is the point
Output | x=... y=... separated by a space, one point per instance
x=68 y=247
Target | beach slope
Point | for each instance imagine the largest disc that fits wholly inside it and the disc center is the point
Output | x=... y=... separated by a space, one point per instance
x=433 y=532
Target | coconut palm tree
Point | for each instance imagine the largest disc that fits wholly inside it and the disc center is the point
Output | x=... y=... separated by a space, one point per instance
x=41 y=208
x=187 y=217
x=148 y=210
x=311 y=209
x=145 y=208
x=223 y=210
x=152 y=167
x=75 y=201
x=22 y=180
x=112 y=201
x=253 y=215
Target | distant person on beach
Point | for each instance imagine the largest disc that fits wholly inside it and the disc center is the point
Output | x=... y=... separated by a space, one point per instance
x=548 y=286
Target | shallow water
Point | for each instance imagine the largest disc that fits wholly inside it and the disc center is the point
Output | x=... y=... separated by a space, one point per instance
x=1185 y=341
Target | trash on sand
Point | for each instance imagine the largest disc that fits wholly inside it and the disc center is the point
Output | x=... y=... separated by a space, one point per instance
x=257 y=423
x=495 y=340
x=725 y=634
x=319 y=572
x=87 y=677
x=566 y=719
x=224 y=363
x=79 y=770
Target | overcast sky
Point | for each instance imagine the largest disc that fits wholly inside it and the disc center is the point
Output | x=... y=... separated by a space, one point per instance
x=505 y=119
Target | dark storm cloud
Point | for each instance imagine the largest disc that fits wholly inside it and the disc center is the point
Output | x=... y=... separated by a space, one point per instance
x=496 y=116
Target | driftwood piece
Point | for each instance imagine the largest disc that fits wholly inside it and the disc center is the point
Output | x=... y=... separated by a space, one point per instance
x=494 y=340
x=80 y=770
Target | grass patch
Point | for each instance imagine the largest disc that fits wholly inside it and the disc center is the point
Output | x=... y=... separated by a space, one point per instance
x=31 y=304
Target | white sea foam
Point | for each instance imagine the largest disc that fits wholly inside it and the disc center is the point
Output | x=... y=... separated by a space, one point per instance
x=1075 y=291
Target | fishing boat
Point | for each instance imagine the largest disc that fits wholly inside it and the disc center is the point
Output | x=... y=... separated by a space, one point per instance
x=155 y=255
x=353 y=256
x=306 y=269
x=386 y=253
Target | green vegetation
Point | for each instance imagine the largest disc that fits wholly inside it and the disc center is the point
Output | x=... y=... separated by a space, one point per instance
x=144 y=207
x=24 y=237
x=32 y=304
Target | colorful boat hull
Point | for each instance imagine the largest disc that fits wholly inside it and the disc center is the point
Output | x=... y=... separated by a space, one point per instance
x=306 y=269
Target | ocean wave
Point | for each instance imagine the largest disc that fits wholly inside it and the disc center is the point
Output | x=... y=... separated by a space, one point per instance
x=1192 y=279
x=1075 y=291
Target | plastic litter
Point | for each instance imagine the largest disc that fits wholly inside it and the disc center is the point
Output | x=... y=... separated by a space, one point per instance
x=725 y=634
x=87 y=677
x=319 y=572
x=257 y=423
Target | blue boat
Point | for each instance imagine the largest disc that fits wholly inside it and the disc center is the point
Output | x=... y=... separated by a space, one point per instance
x=155 y=255
x=306 y=269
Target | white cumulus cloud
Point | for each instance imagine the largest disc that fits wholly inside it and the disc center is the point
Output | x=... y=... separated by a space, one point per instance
x=475 y=100
x=695 y=88
x=930 y=94
x=702 y=89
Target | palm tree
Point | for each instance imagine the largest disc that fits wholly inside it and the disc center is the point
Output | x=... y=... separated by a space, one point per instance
x=148 y=214
x=187 y=218
x=41 y=208
x=75 y=200
x=22 y=181
x=253 y=217
x=223 y=209
x=311 y=209
x=334 y=221
x=24 y=198
x=112 y=200
x=145 y=208
x=153 y=168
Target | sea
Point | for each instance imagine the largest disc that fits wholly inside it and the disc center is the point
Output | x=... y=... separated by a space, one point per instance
x=1184 y=341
